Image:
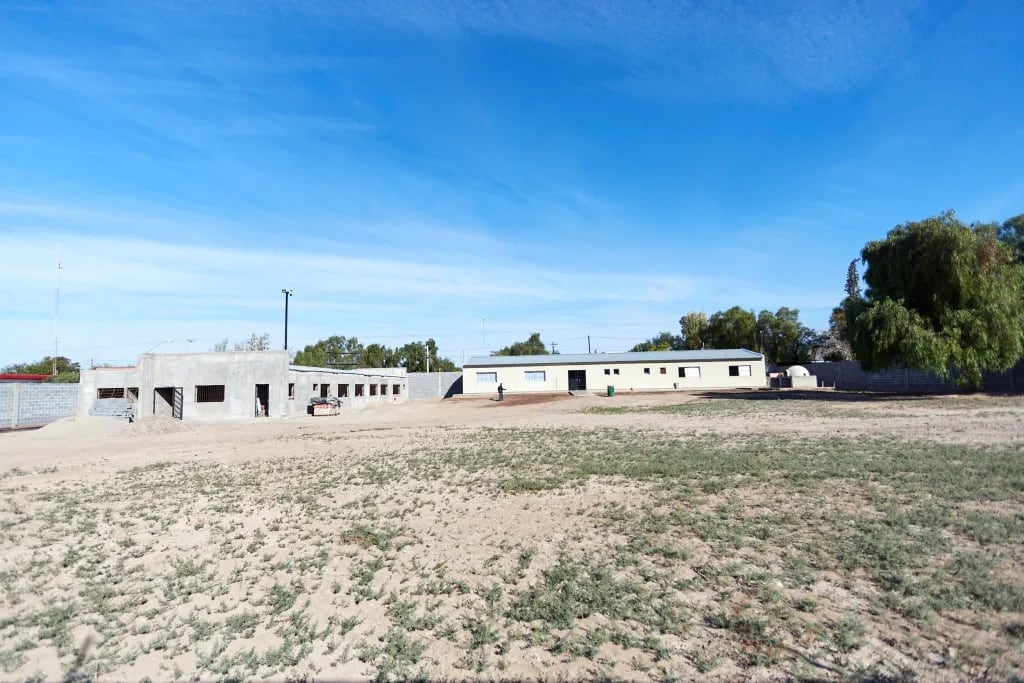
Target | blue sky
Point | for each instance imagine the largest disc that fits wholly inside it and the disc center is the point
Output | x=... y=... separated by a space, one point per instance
x=477 y=171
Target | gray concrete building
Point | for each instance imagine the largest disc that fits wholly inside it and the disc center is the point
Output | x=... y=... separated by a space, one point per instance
x=230 y=385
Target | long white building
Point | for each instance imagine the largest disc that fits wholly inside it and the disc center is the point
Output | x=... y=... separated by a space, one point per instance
x=595 y=372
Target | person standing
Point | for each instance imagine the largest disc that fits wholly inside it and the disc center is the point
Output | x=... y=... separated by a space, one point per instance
x=501 y=392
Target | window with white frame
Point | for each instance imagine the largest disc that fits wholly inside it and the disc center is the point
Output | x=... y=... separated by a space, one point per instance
x=689 y=372
x=739 y=371
x=486 y=377
x=535 y=375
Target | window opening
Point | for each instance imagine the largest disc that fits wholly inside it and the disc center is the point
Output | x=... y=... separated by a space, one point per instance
x=209 y=393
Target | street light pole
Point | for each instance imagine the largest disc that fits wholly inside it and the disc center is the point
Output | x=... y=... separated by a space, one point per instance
x=287 y=293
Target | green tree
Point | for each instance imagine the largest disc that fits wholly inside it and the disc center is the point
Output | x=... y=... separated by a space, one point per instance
x=735 y=328
x=663 y=341
x=694 y=327
x=531 y=347
x=413 y=357
x=942 y=296
x=377 y=356
x=334 y=352
x=1011 y=232
x=783 y=338
x=68 y=372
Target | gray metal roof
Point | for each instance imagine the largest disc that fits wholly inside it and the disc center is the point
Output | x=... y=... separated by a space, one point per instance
x=606 y=358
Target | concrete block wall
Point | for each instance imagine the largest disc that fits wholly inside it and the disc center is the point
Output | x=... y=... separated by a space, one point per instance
x=27 y=404
x=7 y=405
x=110 y=407
x=434 y=384
x=849 y=376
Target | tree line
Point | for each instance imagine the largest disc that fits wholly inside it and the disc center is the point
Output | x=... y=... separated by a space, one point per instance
x=780 y=336
x=348 y=352
x=68 y=371
x=942 y=296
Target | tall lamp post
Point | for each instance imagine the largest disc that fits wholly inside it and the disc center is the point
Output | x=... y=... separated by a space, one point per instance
x=287 y=293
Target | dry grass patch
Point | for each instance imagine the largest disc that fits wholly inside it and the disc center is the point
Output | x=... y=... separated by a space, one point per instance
x=584 y=552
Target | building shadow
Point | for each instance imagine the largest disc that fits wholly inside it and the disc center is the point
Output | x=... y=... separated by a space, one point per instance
x=830 y=395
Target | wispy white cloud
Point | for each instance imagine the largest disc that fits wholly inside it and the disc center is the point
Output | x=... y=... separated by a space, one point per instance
x=116 y=288
x=732 y=50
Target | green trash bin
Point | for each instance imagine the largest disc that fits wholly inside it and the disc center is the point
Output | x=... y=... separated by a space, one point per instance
x=611 y=390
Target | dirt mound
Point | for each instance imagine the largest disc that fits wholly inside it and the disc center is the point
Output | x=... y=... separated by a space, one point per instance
x=157 y=424
x=88 y=426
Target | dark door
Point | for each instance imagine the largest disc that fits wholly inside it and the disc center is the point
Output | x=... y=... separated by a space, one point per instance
x=179 y=403
x=577 y=380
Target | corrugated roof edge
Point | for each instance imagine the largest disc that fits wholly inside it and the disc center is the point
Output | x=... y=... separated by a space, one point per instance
x=605 y=358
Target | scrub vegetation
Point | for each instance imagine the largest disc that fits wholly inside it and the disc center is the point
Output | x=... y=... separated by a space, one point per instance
x=590 y=549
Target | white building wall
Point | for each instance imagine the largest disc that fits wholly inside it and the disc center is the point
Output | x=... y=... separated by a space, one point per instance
x=631 y=376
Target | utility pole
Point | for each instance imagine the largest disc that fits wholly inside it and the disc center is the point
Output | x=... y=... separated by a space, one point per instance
x=287 y=295
x=588 y=343
x=426 y=352
x=190 y=344
x=56 y=312
x=552 y=348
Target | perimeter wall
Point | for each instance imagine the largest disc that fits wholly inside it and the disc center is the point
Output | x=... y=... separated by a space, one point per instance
x=31 y=404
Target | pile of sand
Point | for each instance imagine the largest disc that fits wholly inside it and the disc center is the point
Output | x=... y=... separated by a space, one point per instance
x=89 y=426
x=156 y=424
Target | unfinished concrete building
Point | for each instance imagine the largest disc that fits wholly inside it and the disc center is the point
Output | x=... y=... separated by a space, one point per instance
x=230 y=385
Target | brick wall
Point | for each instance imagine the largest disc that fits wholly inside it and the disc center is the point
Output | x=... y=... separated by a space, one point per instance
x=434 y=384
x=27 y=404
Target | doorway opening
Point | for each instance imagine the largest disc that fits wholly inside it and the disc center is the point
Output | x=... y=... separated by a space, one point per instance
x=168 y=401
x=577 y=380
x=262 y=405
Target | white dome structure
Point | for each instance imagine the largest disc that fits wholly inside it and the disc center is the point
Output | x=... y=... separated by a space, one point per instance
x=797 y=371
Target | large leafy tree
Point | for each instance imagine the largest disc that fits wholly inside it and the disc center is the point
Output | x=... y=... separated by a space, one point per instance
x=694 y=328
x=377 y=356
x=413 y=357
x=735 y=328
x=942 y=296
x=663 y=341
x=67 y=370
x=531 y=347
x=334 y=352
x=783 y=338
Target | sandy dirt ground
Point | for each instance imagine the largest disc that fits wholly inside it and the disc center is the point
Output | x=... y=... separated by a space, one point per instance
x=330 y=548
